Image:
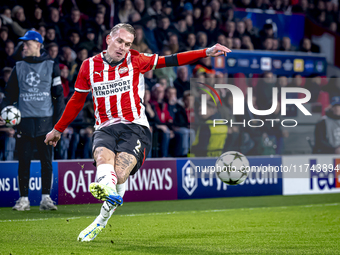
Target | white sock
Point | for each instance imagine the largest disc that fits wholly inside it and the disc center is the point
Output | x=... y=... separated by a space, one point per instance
x=121 y=189
x=24 y=199
x=108 y=209
x=107 y=175
x=43 y=196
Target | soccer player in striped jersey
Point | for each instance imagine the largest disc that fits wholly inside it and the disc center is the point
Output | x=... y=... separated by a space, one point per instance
x=122 y=137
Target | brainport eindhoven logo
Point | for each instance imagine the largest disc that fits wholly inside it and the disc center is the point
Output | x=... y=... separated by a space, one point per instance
x=238 y=107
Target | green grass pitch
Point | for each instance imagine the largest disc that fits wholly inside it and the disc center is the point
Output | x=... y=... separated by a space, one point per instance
x=249 y=225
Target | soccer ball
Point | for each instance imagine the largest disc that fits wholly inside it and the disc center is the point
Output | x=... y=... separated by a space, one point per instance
x=232 y=167
x=11 y=115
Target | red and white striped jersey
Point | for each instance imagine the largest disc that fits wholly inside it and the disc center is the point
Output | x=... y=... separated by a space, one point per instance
x=118 y=91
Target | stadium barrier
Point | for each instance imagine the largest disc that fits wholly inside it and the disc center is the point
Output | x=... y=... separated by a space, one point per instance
x=323 y=175
x=277 y=62
x=171 y=179
x=9 y=187
x=204 y=183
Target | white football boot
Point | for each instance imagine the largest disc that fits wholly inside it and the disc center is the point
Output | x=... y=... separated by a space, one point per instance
x=22 y=204
x=47 y=204
x=90 y=233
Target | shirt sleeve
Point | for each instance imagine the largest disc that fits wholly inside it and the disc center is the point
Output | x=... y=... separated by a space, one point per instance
x=82 y=83
x=147 y=62
x=182 y=58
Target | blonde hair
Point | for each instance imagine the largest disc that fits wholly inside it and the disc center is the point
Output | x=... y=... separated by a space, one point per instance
x=125 y=26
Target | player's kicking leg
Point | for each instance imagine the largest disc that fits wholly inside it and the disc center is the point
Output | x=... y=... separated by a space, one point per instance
x=107 y=190
x=131 y=142
x=106 y=211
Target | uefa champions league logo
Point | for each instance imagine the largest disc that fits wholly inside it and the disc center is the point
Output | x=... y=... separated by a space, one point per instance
x=33 y=79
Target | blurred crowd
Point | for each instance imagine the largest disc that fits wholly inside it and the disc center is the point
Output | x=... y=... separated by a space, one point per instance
x=74 y=30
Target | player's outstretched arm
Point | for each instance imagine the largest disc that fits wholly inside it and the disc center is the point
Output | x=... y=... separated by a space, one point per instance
x=73 y=107
x=189 y=57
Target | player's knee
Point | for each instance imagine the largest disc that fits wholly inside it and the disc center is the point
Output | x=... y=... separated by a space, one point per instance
x=103 y=156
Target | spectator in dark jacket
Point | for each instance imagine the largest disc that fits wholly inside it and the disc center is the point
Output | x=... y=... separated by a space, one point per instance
x=181 y=27
x=149 y=34
x=163 y=32
x=18 y=15
x=73 y=39
x=82 y=54
x=241 y=29
x=54 y=21
x=180 y=124
x=67 y=59
x=191 y=41
x=7 y=56
x=3 y=37
x=71 y=22
x=161 y=109
x=53 y=50
x=50 y=36
x=98 y=28
x=140 y=7
x=181 y=83
x=308 y=46
x=327 y=131
x=37 y=18
x=286 y=44
x=154 y=121
x=149 y=79
x=89 y=41
x=139 y=42
x=64 y=7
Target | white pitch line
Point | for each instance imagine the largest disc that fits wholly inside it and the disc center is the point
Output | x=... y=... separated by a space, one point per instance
x=181 y=212
x=40 y=219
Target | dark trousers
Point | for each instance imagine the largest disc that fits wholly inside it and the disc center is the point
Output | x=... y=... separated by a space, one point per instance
x=25 y=145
